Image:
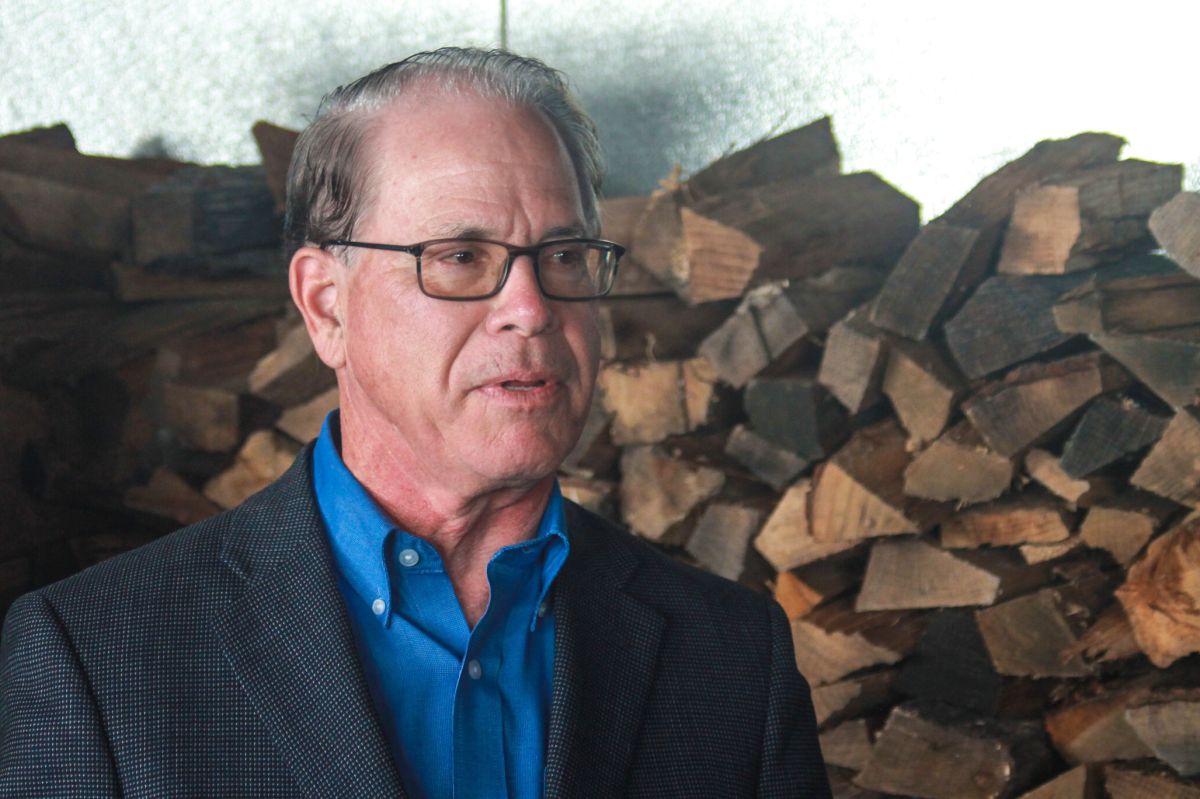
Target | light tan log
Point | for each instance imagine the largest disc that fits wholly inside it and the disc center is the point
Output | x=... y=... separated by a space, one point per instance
x=959 y=468
x=1168 y=728
x=1161 y=595
x=598 y=496
x=1096 y=730
x=1045 y=468
x=923 y=387
x=1078 y=783
x=303 y=422
x=847 y=745
x=722 y=537
x=658 y=492
x=1171 y=469
x=910 y=573
x=292 y=372
x=786 y=540
x=1122 y=525
x=202 y=418
x=167 y=494
x=853 y=697
x=853 y=362
x=654 y=400
x=1018 y=519
x=1176 y=226
x=834 y=641
x=1109 y=638
x=265 y=456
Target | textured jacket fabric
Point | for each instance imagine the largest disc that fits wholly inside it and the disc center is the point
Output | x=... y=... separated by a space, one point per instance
x=218 y=662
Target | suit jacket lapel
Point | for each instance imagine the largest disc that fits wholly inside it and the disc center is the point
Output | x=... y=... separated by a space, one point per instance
x=287 y=637
x=606 y=647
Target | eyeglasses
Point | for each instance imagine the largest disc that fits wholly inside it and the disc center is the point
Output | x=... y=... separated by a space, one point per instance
x=475 y=269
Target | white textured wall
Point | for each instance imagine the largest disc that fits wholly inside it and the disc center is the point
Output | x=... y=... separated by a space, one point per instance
x=930 y=94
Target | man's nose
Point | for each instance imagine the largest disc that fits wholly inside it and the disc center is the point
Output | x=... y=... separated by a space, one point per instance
x=521 y=306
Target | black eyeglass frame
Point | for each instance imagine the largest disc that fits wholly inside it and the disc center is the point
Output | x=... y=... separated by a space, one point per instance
x=514 y=252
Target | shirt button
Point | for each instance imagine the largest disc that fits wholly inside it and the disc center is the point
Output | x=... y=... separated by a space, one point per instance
x=474 y=670
x=409 y=558
x=378 y=607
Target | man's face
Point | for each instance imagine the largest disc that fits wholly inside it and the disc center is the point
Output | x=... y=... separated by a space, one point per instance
x=472 y=395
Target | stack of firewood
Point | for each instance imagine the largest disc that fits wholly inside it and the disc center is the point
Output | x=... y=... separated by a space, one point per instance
x=962 y=455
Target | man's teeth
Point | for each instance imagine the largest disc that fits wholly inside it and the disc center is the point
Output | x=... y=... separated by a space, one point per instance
x=514 y=386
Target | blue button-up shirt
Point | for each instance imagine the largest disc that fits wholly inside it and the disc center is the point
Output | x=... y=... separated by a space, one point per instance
x=465 y=710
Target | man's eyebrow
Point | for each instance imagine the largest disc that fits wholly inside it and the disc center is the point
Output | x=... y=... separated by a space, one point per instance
x=475 y=232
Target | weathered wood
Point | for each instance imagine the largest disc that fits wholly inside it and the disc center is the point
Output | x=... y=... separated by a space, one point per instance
x=1110 y=429
x=859 y=492
x=1018 y=519
x=1042 y=552
x=1096 y=729
x=275 y=145
x=721 y=541
x=853 y=362
x=1075 y=221
x=57 y=135
x=1171 y=469
x=1130 y=305
x=598 y=496
x=797 y=414
x=853 y=697
x=219 y=358
x=958 y=467
x=1127 y=783
x=202 y=418
x=1168 y=728
x=167 y=494
x=1123 y=524
x=847 y=745
x=807 y=150
x=1161 y=595
x=923 y=387
x=774 y=465
x=910 y=573
x=1166 y=361
x=1046 y=469
x=1080 y=782
x=659 y=326
x=1035 y=400
x=786 y=539
x=651 y=401
x=292 y=372
x=1176 y=227
x=951 y=664
x=834 y=641
x=1109 y=638
x=801 y=590
x=658 y=493
x=264 y=457
x=939 y=755
x=1026 y=636
x=619 y=217
x=303 y=422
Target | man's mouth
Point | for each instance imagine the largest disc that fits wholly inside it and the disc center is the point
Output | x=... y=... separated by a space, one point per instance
x=522 y=385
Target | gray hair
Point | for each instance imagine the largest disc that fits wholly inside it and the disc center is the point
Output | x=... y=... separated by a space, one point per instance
x=327 y=184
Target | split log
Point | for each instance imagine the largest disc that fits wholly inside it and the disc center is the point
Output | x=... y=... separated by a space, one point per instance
x=657 y=327
x=797 y=414
x=910 y=573
x=1168 y=728
x=923 y=387
x=1110 y=429
x=801 y=590
x=1109 y=638
x=1018 y=519
x=292 y=372
x=774 y=465
x=1031 y=402
x=1080 y=782
x=1171 y=469
x=859 y=492
x=1041 y=553
x=1046 y=469
x=808 y=150
x=1176 y=227
x=168 y=495
x=263 y=458
x=853 y=697
x=658 y=493
x=598 y=496
x=951 y=254
x=275 y=145
x=833 y=641
x=853 y=362
x=924 y=752
x=721 y=541
x=958 y=467
x=303 y=422
x=1166 y=361
x=1161 y=595
x=218 y=358
x=1122 y=525
x=951 y=664
x=1073 y=222
x=651 y=401
x=1027 y=635
x=847 y=745
x=1130 y=305
x=786 y=539
x=202 y=418
x=1128 y=783
x=1096 y=729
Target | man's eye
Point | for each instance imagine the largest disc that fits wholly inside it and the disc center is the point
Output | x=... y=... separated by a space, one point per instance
x=567 y=257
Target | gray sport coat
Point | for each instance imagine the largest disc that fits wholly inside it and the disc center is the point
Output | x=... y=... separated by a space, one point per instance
x=218 y=662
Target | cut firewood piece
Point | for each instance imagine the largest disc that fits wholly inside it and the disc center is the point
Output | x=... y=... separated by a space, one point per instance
x=658 y=327
x=937 y=753
x=594 y=454
x=721 y=541
x=220 y=358
x=1018 y=519
x=1168 y=728
x=1110 y=429
x=1096 y=729
x=659 y=492
x=209 y=277
x=1166 y=361
x=1122 y=782
x=1046 y=469
x=657 y=239
x=1123 y=524
x=788 y=229
x=774 y=465
x=808 y=150
x=651 y=401
x=1027 y=635
x=859 y=492
x=59 y=199
x=619 y=217
x=58 y=135
x=1009 y=319
x=853 y=697
x=1161 y=595
x=797 y=414
x=959 y=468
x=847 y=745
x=201 y=211
x=911 y=573
x=264 y=457
x=598 y=496
x=834 y=641
x=853 y=362
x=1171 y=469
x=1034 y=400
x=1131 y=305
x=275 y=145
x=1109 y=638
x=801 y=590
x=794 y=596
x=1041 y=553
x=168 y=495
x=1075 y=221
x=1080 y=782
x=303 y=422
x=950 y=255
x=923 y=387
x=202 y=418
x=786 y=539
x=951 y=664
x=1176 y=227
x=292 y=372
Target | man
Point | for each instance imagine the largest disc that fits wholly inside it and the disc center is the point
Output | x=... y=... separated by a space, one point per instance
x=413 y=609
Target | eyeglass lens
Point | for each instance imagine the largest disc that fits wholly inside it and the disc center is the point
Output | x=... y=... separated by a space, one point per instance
x=462 y=268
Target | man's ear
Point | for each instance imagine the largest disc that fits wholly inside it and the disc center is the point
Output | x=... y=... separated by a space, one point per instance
x=314 y=277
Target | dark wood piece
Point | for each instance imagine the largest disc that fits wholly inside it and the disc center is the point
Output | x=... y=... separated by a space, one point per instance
x=1111 y=429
